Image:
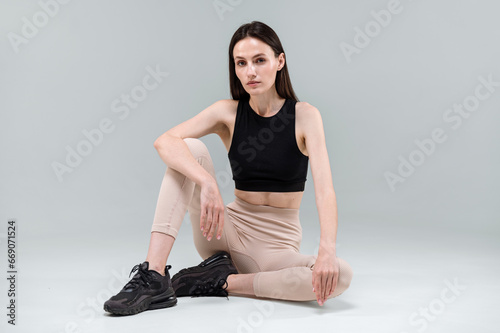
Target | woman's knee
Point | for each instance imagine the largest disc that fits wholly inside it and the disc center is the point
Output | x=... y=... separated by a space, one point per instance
x=197 y=147
x=345 y=277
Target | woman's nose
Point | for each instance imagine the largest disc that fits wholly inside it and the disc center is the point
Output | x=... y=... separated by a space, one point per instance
x=250 y=70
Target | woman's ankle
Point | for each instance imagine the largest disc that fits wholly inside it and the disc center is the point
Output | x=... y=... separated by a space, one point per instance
x=157 y=268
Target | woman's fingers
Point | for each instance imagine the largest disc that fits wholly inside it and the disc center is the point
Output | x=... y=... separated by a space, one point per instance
x=334 y=284
x=324 y=279
x=335 y=278
x=213 y=225
x=221 y=224
x=206 y=220
x=322 y=287
x=316 y=281
x=203 y=217
x=328 y=286
x=317 y=288
x=324 y=284
x=212 y=221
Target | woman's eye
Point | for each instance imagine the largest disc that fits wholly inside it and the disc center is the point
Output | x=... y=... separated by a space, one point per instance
x=259 y=60
x=240 y=63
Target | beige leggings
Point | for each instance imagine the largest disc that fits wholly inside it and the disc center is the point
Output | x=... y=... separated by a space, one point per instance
x=260 y=239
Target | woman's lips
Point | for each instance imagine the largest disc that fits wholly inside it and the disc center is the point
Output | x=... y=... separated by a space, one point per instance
x=253 y=83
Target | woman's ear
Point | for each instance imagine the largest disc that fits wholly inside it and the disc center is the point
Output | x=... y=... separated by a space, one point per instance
x=281 y=61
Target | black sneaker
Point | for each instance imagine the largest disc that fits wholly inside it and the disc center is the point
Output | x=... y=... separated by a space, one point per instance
x=206 y=279
x=147 y=290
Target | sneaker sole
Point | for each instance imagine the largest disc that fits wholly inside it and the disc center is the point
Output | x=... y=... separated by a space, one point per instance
x=165 y=300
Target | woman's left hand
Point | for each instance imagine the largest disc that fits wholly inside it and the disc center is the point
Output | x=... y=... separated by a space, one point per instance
x=325 y=276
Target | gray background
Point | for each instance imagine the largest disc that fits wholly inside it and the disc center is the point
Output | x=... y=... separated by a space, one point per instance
x=79 y=237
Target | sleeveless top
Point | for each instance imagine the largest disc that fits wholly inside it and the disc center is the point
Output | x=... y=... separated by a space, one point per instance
x=264 y=155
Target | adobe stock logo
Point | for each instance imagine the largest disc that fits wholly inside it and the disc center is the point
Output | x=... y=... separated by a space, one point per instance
x=427 y=146
x=30 y=28
x=363 y=37
x=222 y=6
x=95 y=136
x=92 y=307
x=421 y=318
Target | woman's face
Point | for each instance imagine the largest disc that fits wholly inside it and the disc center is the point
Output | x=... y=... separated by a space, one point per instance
x=256 y=65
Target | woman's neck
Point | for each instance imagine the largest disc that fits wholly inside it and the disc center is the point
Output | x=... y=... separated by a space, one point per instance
x=266 y=104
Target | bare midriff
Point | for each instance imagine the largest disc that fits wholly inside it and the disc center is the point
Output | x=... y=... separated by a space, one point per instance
x=275 y=199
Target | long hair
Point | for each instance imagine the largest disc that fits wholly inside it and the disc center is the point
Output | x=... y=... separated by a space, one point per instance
x=267 y=35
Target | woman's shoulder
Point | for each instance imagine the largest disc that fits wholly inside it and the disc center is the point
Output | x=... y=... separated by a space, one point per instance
x=307 y=118
x=227 y=103
x=224 y=106
x=227 y=109
x=305 y=109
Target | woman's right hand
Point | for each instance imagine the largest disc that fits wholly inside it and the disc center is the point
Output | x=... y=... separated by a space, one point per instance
x=212 y=210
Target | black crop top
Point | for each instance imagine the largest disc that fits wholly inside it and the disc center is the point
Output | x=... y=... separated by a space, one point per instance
x=264 y=155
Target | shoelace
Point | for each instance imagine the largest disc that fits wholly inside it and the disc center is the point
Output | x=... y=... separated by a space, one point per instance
x=211 y=288
x=142 y=278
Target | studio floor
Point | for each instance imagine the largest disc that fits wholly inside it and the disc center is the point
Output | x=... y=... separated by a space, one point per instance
x=409 y=280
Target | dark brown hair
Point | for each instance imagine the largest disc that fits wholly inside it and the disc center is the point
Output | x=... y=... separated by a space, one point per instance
x=267 y=35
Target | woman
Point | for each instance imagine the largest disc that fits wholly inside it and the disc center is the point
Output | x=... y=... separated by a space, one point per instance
x=251 y=246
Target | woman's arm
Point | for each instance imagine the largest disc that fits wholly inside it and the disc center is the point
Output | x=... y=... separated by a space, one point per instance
x=176 y=155
x=326 y=267
x=174 y=151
